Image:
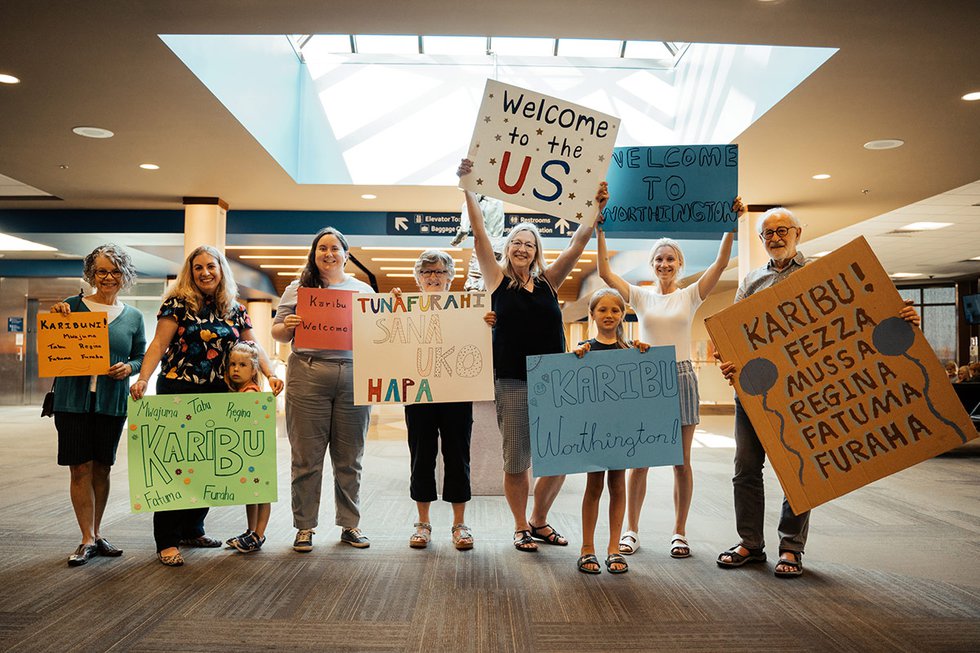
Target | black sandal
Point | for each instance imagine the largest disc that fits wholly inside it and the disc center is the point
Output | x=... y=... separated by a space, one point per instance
x=586 y=560
x=616 y=559
x=524 y=542
x=795 y=566
x=737 y=559
x=554 y=537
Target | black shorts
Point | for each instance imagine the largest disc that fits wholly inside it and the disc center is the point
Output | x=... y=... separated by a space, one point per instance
x=88 y=436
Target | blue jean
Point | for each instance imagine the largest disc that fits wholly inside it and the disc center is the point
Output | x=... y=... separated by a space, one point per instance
x=321 y=416
x=750 y=496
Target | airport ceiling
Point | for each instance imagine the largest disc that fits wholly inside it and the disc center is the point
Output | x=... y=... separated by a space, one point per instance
x=900 y=72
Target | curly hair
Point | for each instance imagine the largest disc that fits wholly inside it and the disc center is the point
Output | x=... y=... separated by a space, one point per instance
x=119 y=258
x=434 y=257
x=187 y=291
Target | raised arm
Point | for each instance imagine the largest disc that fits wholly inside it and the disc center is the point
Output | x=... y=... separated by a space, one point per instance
x=489 y=268
x=710 y=278
x=557 y=272
x=611 y=279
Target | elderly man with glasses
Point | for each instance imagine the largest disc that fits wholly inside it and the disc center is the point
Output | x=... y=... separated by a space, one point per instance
x=780 y=231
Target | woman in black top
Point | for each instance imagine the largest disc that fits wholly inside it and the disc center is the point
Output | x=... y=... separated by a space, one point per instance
x=524 y=295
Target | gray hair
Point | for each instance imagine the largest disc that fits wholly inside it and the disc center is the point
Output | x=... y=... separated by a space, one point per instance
x=779 y=210
x=435 y=257
x=119 y=258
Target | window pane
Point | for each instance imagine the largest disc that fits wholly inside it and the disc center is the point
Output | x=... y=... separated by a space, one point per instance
x=939 y=327
x=943 y=295
x=910 y=293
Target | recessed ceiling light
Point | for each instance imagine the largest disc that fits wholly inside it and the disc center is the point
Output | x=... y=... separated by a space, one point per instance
x=905 y=275
x=821 y=254
x=15 y=244
x=288 y=274
x=149 y=166
x=972 y=97
x=8 y=79
x=822 y=175
x=884 y=144
x=276 y=266
x=975 y=258
x=411 y=249
x=93 y=132
x=369 y=196
x=300 y=247
x=288 y=258
x=925 y=226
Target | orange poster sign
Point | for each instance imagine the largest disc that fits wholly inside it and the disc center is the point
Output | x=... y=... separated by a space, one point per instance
x=326 y=319
x=72 y=345
x=840 y=390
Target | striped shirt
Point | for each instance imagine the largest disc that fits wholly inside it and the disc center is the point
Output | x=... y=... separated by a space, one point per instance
x=767 y=277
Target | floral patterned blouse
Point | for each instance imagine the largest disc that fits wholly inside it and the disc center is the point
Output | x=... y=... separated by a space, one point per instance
x=198 y=352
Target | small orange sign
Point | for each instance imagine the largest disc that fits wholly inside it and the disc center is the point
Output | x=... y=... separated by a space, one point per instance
x=72 y=345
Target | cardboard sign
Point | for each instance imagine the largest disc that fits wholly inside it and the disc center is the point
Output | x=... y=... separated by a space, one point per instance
x=192 y=451
x=614 y=409
x=540 y=152
x=422 y=348
x=840 y=390
x=326 y=319
x=677 y=189
x=72 y=345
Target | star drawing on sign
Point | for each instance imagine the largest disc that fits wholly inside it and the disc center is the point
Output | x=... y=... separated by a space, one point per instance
x=571 y=196
x=540 y=131
x=575 y=181
x=602 y=157
x=506 y=119
x=588 y=202
x=479 y=182
x=588 y=171
x=497 y=137
x=491 y=96
x=486 y=119
x=578 y=216
x=493 y=162
x=193 y=499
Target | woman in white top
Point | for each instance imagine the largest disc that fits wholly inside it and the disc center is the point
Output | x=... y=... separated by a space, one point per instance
x=665 y=311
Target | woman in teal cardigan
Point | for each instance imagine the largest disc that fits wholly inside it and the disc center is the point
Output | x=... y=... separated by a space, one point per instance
x=90 y=411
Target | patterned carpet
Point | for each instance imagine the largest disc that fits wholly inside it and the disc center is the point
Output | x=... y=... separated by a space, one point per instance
x=891 y=567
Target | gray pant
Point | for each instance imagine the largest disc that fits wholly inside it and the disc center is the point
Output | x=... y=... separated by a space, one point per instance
x=321 y=415
x=750 y=496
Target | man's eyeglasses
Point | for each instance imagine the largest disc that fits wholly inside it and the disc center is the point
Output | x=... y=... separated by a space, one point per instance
x=778 y=231
x=430 y=273
x=102 y=274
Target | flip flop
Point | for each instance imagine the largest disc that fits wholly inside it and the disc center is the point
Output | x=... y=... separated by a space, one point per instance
x=589 y=559
x=616 y=559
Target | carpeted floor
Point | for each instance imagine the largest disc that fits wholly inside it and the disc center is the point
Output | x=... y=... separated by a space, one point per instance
x=890 y=567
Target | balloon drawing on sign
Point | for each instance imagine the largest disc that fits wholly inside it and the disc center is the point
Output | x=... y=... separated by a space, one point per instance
x=757 y=377
x=893 y=337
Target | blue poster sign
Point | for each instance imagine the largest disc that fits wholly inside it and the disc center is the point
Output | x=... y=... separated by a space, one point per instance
x=614 y=409
x=677 y=189
x=15 y=325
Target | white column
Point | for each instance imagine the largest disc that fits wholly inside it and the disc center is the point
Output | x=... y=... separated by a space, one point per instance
x=751 y=251
x=204 y=223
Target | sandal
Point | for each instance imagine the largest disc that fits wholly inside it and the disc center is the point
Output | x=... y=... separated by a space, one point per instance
x=174 y=560
x=616 y=559
x=681 y=550
x=462 y=537
x=629 y=543
x=736 y=559
x=554 y=537
x=586 y=560
x=524 y=542
x=420 y=538
x=795 y=567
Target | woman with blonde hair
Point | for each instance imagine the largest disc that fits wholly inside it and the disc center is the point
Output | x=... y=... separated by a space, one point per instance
x=198 y=324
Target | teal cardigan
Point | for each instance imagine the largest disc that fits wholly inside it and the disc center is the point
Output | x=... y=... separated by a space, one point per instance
x=127 y=344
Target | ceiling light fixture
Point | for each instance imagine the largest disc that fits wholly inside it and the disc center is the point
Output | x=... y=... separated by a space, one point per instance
x=149 y=166
x=972 y=97
x=287 y=258
x=8 y=79
x=15 y=244
x=410 y=249
x=288 y=274
x=93 y=132
x=369 y=196
x=289 y=247
x=821 y=176
x=905 y=275
x=925 y=226
x=276 y=266
x=884 y=144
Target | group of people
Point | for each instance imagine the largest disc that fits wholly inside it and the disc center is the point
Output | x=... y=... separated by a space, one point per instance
x=964 y=373
x=204 y=343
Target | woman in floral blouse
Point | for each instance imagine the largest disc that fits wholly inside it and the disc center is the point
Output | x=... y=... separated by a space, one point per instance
x=198 y=324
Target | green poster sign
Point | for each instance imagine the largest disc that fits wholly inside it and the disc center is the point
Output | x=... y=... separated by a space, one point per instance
x=192 y=451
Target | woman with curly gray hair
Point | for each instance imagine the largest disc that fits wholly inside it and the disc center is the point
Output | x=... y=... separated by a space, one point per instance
x=89 y=411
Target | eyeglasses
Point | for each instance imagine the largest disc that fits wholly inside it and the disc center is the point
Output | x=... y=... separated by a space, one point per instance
x=778 y=231
x=102 y=274
x=430 y=273
x=518 y=244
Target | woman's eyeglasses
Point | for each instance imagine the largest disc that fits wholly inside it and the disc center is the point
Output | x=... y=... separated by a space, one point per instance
x=430 y=273
x=102 y=274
